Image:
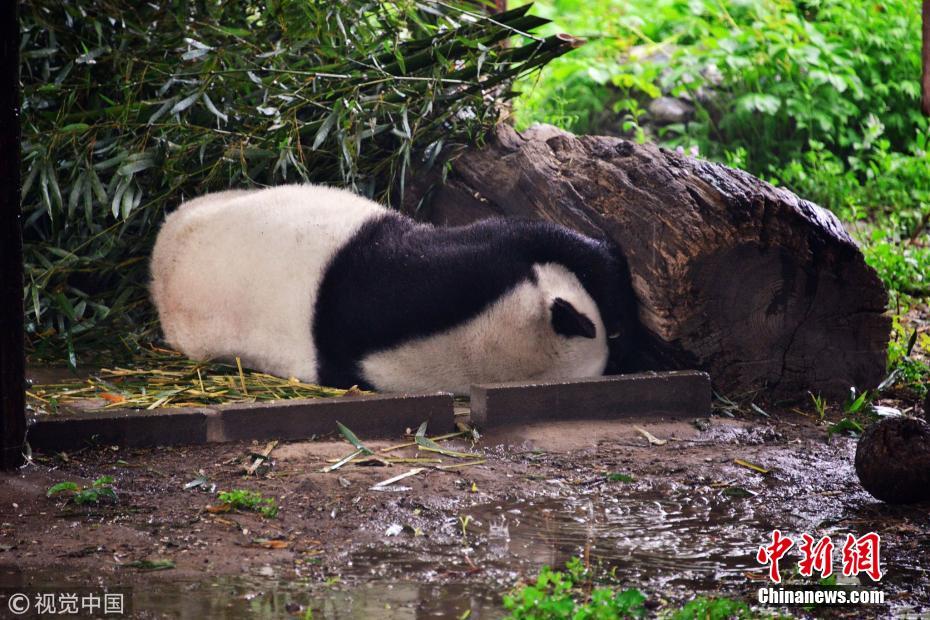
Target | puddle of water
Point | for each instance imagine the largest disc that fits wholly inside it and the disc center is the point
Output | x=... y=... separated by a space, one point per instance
x=694 y=542
x=246 y=597
x=676 y=545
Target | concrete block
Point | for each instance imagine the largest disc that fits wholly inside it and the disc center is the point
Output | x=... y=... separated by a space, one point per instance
x=121 y=427
x=677 y=394
x=369 y=416
x=381 y=415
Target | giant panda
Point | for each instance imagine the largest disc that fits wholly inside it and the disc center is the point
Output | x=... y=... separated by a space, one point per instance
x=324 y=285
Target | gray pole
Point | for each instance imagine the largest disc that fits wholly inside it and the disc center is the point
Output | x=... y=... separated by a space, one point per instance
x=12 y=356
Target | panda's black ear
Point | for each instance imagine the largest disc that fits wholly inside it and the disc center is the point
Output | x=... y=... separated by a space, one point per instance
x=567 y=321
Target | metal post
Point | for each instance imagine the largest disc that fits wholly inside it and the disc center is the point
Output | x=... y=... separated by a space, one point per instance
x=12 y=356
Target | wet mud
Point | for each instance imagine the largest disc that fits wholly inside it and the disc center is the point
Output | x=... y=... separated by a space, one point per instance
x=680 y=519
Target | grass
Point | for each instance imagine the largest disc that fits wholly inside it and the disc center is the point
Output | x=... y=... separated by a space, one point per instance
x=164 y=378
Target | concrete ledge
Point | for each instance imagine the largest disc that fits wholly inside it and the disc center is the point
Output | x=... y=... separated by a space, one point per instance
x=121 y=427
x=387 y=415
x=374 y=416
x=677 y=394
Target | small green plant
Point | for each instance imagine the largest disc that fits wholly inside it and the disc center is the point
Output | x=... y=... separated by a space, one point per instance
x=713 y=608
x=99 y=491
x=557 y=594
x=619 y=477
x=579 y=593
x=905 y=367
x=463 y=522
x=820 y=405
x=243 y=499
x=857 y=413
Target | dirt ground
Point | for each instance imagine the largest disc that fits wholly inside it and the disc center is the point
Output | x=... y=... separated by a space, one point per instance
x=443 y=543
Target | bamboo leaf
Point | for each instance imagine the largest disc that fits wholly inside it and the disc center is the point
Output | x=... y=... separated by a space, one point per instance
x=185 y=103
x=213 y=110
x=324 y=130
x=352 y=439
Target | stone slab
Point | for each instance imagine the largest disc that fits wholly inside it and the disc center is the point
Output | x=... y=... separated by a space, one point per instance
x=369 y=416
x=378 y=416
x=120 y=427
x=676 y=394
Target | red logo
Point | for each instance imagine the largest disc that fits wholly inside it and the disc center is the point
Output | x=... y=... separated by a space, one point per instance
x=771 y=554
x=817 y=557
x=860 y=555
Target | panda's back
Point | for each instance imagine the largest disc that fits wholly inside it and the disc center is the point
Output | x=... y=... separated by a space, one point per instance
x=236 y=275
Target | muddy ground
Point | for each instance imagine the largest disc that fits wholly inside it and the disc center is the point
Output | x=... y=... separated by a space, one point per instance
x=443 y=543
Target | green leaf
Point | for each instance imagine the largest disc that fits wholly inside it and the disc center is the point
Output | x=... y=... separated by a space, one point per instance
x=425 y=443
x=185 y=103
x=133 y=167
x=757 y=102
x=619 y=477
x=352 y=439
x=61 y=487
x=213 y=109
x=75 y=128
x=324 y=130
x=151 y=565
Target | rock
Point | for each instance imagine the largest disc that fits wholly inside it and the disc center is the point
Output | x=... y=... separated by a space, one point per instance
x=668 y=110
x=893 y=460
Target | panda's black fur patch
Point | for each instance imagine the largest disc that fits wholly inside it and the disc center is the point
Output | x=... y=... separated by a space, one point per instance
x=397 y=280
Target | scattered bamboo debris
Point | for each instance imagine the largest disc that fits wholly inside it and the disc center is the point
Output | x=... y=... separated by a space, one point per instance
x=752 y=466
x=386 y=483
x=260 y=459
x=652 y=439
x=363 y=455
x=360 y=448
x=461 y=465
x=164 y=378
x=425 y=443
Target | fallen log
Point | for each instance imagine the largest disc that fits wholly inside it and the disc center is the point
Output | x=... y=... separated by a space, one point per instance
x=763 y=290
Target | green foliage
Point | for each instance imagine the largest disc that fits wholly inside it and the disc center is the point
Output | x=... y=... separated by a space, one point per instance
x=130 y=107
x=243 y=499
x=570 y=594
x=818 y=95
x=903 y=266
x=708 y=608
x=574 y=593
x=767 y=77
x=100 y=490
x=909 y=370
x=858 y=413
x=619 y=477
x=820 y=405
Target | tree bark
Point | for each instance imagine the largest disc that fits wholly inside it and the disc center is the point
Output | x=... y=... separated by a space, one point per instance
x=765 y=291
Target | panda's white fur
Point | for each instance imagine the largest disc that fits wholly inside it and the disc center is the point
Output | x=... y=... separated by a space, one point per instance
x=237 y=274
x=512 y=340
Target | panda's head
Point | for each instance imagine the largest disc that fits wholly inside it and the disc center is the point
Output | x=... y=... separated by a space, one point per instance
x=571 y=334
x=592 y=305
